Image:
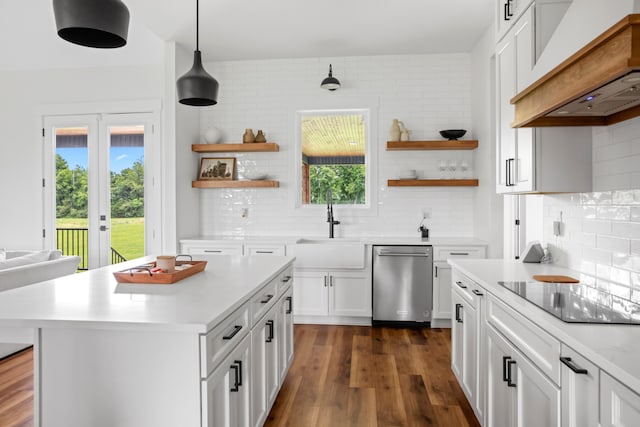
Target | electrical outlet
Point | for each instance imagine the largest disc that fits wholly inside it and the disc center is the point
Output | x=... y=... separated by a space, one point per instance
x=426 y=213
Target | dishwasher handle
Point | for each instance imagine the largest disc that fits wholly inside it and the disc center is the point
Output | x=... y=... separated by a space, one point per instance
x=402 y=254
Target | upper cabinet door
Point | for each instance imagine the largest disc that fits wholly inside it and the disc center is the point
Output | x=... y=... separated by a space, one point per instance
x=506 y=135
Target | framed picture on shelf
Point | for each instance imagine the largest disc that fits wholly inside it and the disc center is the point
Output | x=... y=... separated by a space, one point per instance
x=217 y=168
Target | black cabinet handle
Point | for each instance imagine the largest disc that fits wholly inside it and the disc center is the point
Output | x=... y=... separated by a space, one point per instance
x=212 y=251
x=461 y=285
x=290 y=305
x=286 y=279
x=237 y=374
x=325 y=281
x=270 y=334
x=266 y=300
x=575 y=368
x=236 y=329
x=510 y=363
x=436 y=271
x=264 y=252
x=459 y=253
x=505 y=376
x=458 y=317
x=477 y=292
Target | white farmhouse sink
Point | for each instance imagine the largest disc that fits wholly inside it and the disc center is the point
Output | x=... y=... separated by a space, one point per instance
x=329 y=253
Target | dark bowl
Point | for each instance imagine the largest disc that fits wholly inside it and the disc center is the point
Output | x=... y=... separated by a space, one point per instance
x=453 y=134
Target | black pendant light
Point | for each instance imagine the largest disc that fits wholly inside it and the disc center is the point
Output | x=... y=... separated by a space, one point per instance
x=330 y=82
x=197 y=87
x=102 y=24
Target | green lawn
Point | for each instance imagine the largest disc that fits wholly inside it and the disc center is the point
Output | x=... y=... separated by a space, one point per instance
x=127 y=234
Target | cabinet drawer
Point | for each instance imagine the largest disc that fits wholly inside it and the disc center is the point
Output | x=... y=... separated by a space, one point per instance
x=256 y=249
x=467 y=288
x=215 y=250
x=263 y=300
x=539 y=346
x=444 y=253
x=285 y=280
x=217 y=343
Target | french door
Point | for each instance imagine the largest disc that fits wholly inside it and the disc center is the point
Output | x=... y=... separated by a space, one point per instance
x=102 y=193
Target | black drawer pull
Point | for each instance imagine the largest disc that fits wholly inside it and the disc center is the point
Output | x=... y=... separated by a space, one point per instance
x=212 y=251
x=290 y=306
x=458 y=317
x=459 y=253
x=477 y=292
x=510 y=383
x=270 y=334
x=264 y=252
x=236 y=329
x=266 y=300
x=286 y=279
x=461 y=285
x=575 y=368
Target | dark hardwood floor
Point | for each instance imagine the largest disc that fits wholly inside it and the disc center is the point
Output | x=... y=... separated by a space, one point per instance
x=362 y=376
x=341 y=376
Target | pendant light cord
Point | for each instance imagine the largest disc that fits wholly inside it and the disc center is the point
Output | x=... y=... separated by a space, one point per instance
x=197 y=24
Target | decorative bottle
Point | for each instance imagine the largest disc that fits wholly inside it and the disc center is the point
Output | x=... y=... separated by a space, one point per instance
x=248 y=136
x=260 y=136
x=394 y=132
x=404 y=135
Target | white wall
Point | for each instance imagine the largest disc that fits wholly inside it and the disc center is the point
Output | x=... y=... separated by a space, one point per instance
x=427 y=92
x=23 y=94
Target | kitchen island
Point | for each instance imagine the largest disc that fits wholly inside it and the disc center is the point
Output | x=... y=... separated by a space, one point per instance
x=208 y=350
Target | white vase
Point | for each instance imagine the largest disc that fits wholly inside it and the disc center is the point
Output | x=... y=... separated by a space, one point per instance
x=213 y=135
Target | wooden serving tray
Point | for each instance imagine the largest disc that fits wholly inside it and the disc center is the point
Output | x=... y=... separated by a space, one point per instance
x=555 y=279
x=143 y=274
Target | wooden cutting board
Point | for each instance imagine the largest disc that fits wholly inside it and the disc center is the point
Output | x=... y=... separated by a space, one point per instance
x=554 y=278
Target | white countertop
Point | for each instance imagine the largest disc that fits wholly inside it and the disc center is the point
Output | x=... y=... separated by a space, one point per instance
x=95 y=300
x=614 y=348
x=371 y=240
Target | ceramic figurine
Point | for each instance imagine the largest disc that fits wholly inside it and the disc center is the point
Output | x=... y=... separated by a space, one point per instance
x=260 y=136
x=248 y=136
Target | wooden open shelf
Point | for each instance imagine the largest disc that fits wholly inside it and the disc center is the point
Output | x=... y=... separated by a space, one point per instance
x=432 y=183
x=233 y=148
x=432 y=145
x=236 y=184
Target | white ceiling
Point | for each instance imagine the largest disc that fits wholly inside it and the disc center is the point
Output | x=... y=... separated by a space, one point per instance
x=252 y=29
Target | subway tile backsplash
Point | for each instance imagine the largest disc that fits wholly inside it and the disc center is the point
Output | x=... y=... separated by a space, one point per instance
x=427 y=92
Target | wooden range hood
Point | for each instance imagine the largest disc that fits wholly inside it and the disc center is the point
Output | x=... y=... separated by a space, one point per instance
x=597 y=86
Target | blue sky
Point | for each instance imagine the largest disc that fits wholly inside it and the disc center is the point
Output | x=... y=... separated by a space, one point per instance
x=121 y=157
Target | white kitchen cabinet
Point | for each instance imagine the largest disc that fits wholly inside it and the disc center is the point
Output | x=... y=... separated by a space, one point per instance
x=286 y=333
x=467 y=347
x=263 y=249
x=442 y=279
x=217 y=249
x=265 y=359
x=580 y=390
x=226 y=392
x=332 y=293
x=441 y=290
x=507 y=13
x=619 y=406
x=518 y=393
x=532 y=160
x=548 y=14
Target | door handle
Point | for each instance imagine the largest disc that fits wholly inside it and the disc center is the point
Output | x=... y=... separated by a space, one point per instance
x=236 y=329
x=575 y=368
x=509 y=379
x=236 y=381
x=270 y=334
x=505 y=359
x=286 y=279
x=290 y=307
x=477 y=292
x=436 y=271
x=103 y=228
x=458 y=317
x=460 y=285
x=269 y=296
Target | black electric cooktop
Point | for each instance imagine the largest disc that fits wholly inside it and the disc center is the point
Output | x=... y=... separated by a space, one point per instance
x=577 y=303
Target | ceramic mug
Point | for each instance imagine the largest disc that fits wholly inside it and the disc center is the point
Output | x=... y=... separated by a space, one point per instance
x=166 y=262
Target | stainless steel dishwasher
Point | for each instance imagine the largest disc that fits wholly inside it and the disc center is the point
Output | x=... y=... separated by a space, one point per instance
x=402 y=284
